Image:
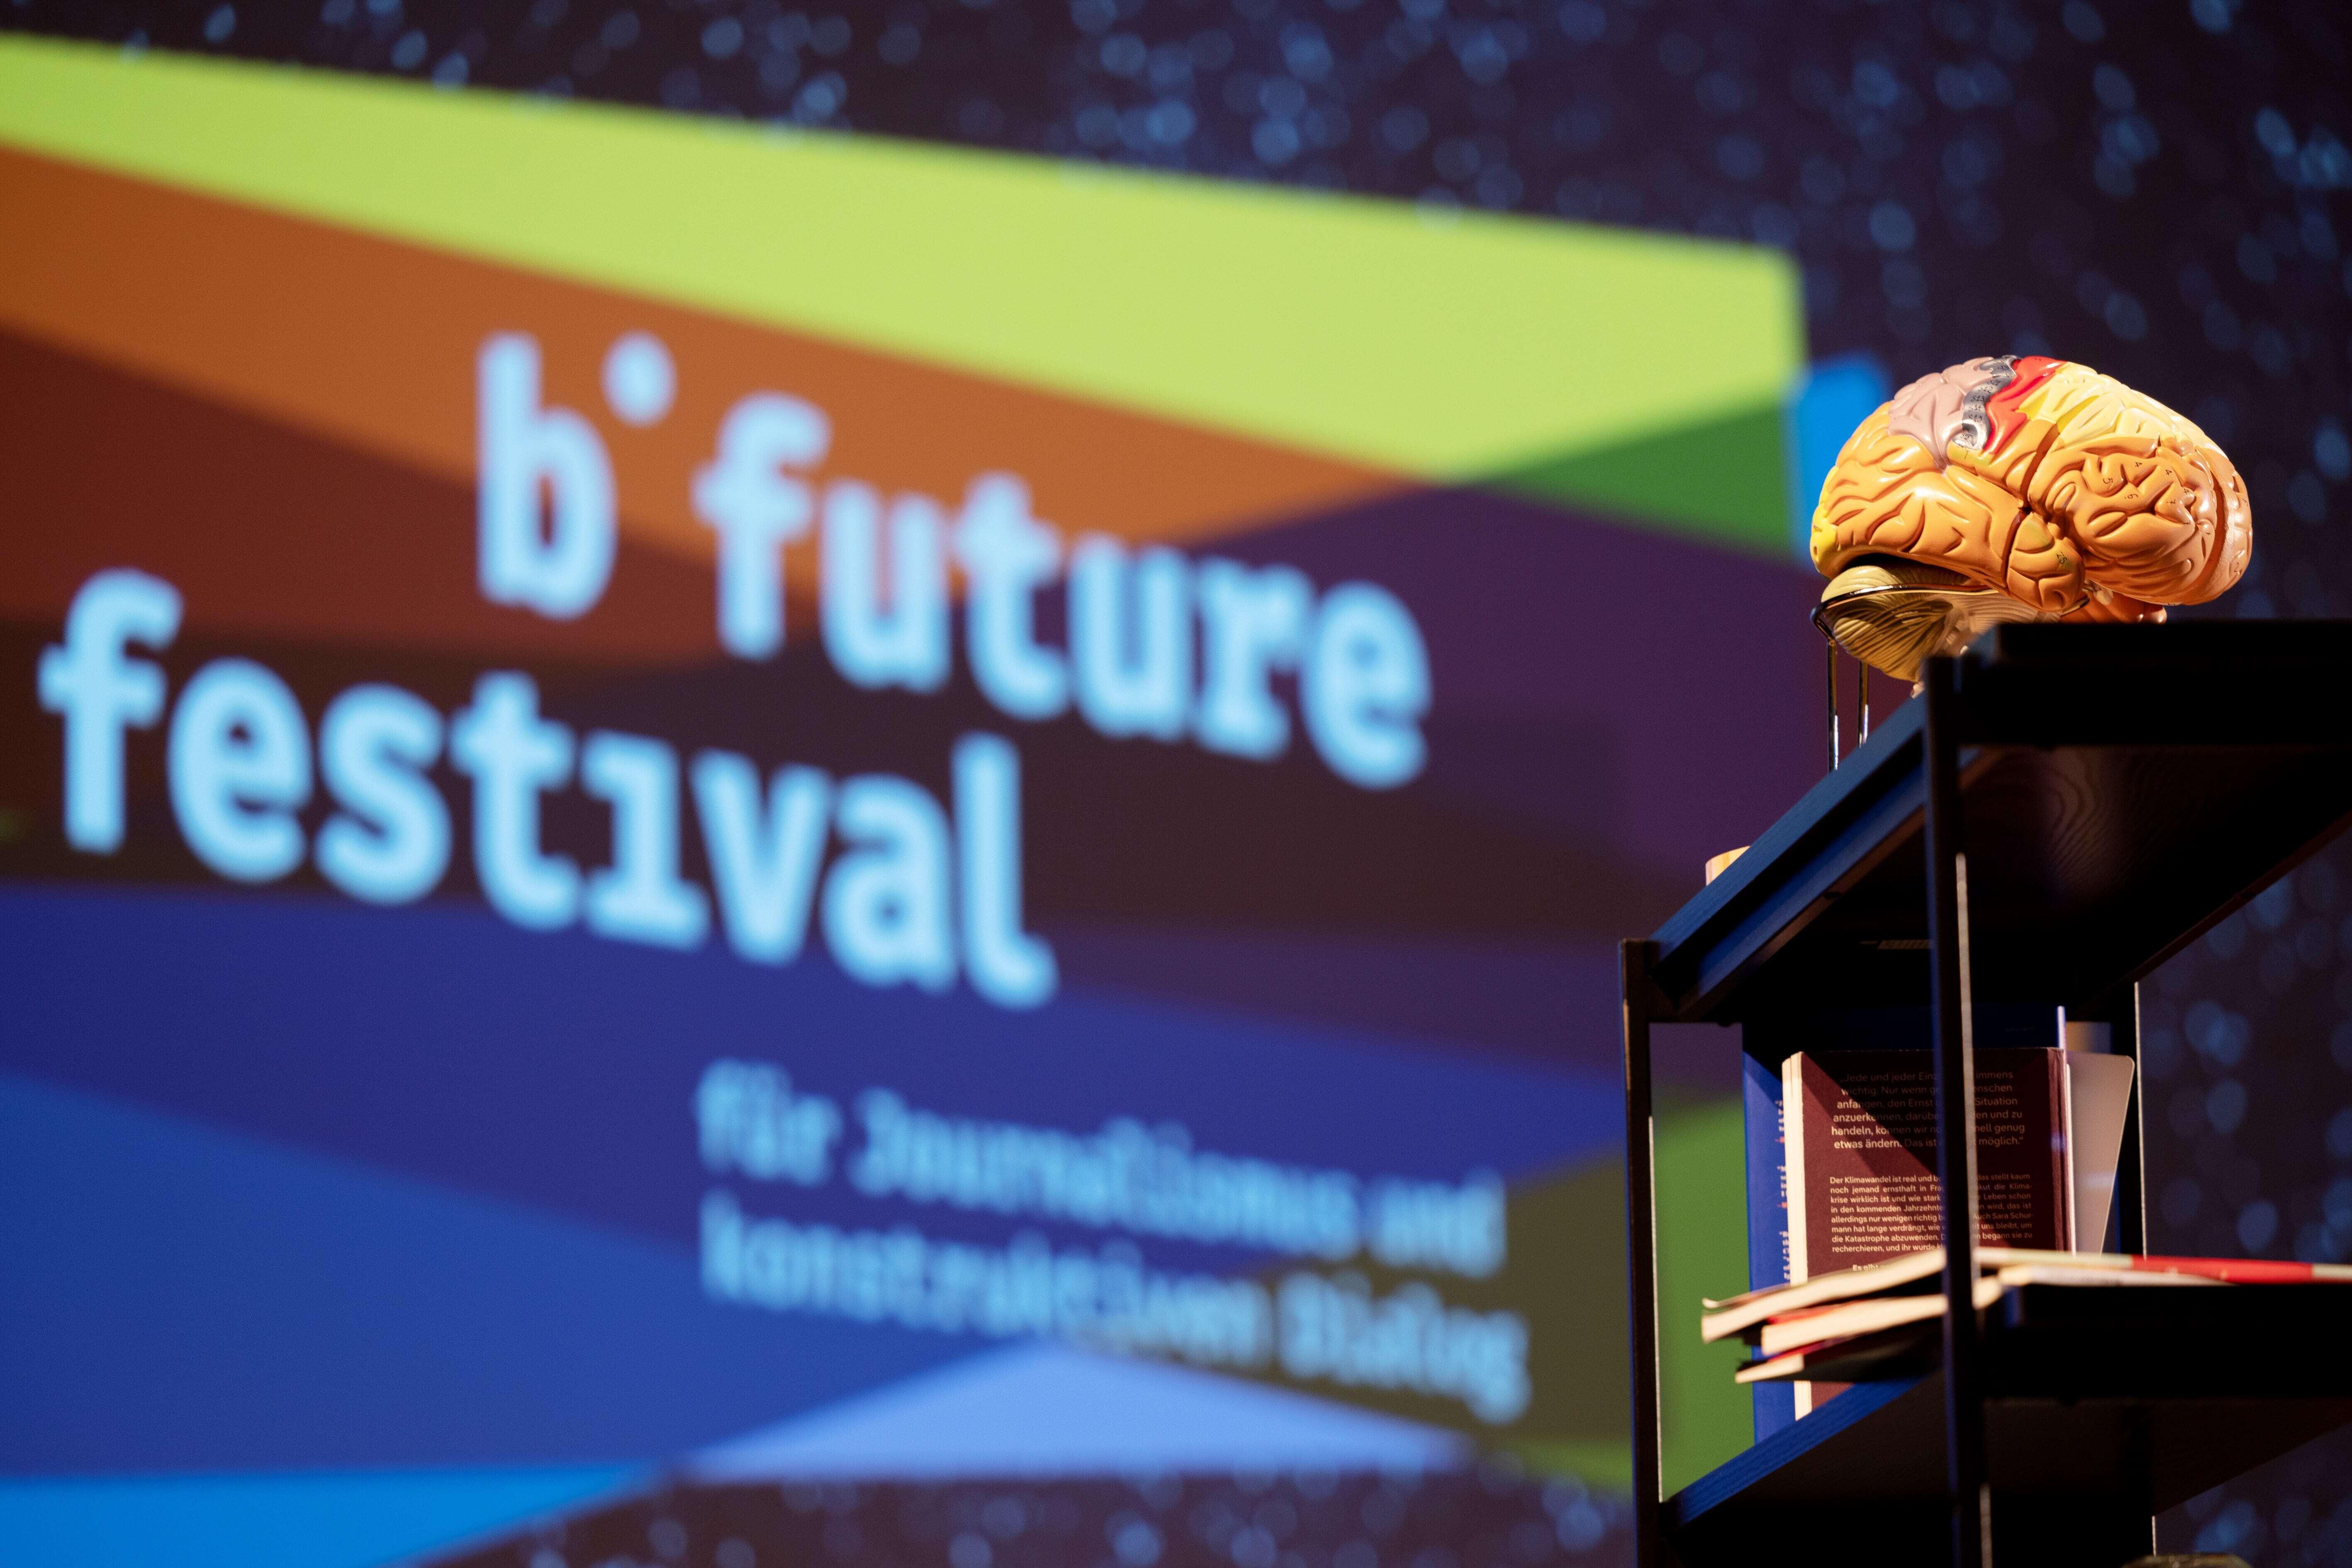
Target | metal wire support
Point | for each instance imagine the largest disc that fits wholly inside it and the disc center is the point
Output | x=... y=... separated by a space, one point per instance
x=1956 y=1130
x=1830 y=681
x=1829 y=685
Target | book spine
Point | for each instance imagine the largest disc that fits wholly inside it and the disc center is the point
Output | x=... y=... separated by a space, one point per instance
x=1767 y=1219
x=2061 y=1096
x=1794 y=1133
x=1794 y=1137
x=1768 y=1175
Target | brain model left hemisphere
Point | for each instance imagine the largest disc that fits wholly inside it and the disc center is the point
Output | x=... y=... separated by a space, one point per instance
x=2020 y=489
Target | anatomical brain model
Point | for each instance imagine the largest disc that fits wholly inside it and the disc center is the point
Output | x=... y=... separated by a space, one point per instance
x=2018 y=490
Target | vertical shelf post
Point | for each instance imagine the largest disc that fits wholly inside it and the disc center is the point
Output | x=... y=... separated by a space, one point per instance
x=1956 y=1142
x=1641 y=1256
x=2131 y=1167
x=2131 y=1222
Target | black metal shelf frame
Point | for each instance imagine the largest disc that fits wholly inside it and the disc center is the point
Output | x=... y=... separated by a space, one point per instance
x=2126 y=788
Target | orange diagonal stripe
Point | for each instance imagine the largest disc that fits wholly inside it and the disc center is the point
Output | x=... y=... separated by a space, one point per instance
x=370 y=343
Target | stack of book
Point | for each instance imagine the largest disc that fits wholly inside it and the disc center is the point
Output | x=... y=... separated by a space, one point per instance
x=1860 y=1325
x=1848 y=1265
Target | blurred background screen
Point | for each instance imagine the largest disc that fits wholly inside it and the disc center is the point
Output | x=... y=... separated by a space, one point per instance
x=797 y=785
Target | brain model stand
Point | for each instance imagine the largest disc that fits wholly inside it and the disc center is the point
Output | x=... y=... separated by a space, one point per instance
x=2017 y=489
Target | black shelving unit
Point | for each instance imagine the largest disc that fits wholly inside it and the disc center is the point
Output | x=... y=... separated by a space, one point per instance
x=2059 y=810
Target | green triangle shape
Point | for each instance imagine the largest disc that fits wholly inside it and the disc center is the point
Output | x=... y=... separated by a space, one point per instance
x=1723 y=479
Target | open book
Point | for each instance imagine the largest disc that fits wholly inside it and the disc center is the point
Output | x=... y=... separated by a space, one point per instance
x=1859 y=1133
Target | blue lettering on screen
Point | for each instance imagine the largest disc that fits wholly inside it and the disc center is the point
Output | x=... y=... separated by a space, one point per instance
x=641 y=898
x=100 y=693
x=764 y=853
x=640 y=379
x=756 y=511
x=1007 y=966
x=559 y=565
x=1007 y=555
x=240 y=768
x=885 y=902
x=883 y=608
x=389 y=843
x=513 y=757
x=874 y=644
x=1367 y=687
x=1253 y=622
x=1134 y=1183
x=916 y=896
x=905 y=888
x=1133 y=666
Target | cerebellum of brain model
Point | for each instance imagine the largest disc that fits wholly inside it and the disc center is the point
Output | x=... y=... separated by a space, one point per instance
x=2020 y=489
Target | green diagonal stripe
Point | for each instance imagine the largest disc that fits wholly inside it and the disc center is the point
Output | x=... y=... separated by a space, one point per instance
x=1450 y=347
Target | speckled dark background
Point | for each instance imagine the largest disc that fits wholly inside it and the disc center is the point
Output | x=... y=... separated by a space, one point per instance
x=1491 y=1516
x=2157 y=189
